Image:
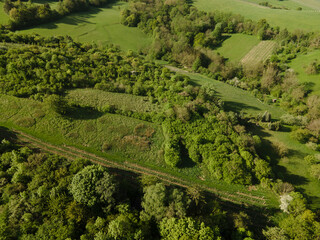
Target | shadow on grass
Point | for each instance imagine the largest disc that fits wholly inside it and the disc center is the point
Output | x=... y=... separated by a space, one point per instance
x=83 y=113
x=5 y=133
x=237 y=106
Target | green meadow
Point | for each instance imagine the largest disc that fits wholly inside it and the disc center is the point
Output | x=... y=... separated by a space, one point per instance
x=236 y=46
x=300 y=63
x=3 y=17
x=99 y=25
x=306 y=19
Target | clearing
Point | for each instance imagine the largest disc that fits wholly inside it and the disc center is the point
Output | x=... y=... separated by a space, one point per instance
x=99 y=25
x=97 y=98
x=237 y=46
x=259 y=53
x=298 y=65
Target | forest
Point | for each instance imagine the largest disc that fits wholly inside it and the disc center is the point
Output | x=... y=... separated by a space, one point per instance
x=79 y=92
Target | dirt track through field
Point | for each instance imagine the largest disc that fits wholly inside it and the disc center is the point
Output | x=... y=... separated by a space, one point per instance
x=73 y=153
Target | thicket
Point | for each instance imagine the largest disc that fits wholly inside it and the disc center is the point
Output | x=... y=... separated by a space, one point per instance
x=48 y=197
x=193 y=121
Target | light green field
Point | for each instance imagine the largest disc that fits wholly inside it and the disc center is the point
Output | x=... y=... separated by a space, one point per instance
x=289 y=4
x=299 y=64
x=88 y=128
x=237 y=46
x=99 y=25
x=3 y=16
x=97 y=98
x=307 y=19
x=259 y=53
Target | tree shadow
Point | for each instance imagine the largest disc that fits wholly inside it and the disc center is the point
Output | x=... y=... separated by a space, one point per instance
x=83 y=113
x=237 y=106
x=186 y=160
x=6 y=133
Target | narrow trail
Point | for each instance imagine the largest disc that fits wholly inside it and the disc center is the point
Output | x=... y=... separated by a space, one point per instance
x=70 y=152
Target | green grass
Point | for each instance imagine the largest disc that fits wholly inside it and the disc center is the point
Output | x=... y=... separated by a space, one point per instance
x=307 y=19
x=237 y=46
x=3 y=16
x=97 y=98
x=87 y=128
x=259 y=53
x=299 y=64
x=99 y=25
x=296 y=170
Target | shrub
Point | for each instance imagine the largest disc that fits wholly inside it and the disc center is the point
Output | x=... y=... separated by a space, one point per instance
x=301 y=135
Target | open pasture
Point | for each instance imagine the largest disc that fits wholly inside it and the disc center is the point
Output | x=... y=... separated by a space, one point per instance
x=99 y=25
x=259 y=53
x=299 y=65
x=307 y=19
x=237 y=46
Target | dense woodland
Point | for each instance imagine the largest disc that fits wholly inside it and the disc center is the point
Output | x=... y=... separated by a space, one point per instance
x=48 y=197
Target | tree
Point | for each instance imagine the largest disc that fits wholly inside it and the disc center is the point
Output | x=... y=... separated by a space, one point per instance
x=87 y=186
x=154 y=202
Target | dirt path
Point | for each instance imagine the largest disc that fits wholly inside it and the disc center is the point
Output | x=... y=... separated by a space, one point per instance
x=70 y=152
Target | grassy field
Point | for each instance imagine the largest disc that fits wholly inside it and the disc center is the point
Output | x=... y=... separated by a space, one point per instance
x=307 y=19
x=3 y=17
x=259 y=53
x=115 y=134
x=237 y=46
x=97 y=98
x=299 y=64
x=99 y=25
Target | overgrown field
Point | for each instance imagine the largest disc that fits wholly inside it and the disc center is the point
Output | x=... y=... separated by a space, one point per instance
x=237 y=46
x=113 y=136
x=117 y=135
x=98 y=99
x=259 y=53
x=300 y=64
x=101 y=25
x=306 y=19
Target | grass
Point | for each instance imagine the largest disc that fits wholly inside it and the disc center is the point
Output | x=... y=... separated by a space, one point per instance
x=99 y=25
x=299 y=64
x=237 y=46
x=3 y=16
x=97 y=98
x=294 y=169
x=307 y=19
x=110 y=132
x=259 y=53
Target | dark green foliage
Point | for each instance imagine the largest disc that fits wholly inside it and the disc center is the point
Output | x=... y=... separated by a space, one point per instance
x=92 y=185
